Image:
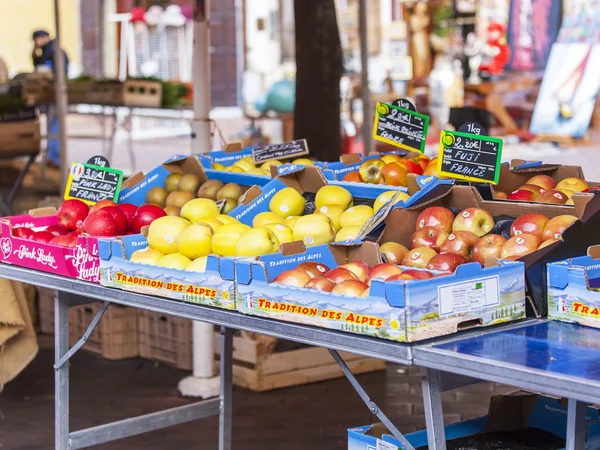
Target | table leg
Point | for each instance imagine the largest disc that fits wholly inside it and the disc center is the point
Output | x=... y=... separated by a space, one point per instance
x=576 y=425
x=495 y=104
x=61 y=376
x=225 y=407
x=434 y=417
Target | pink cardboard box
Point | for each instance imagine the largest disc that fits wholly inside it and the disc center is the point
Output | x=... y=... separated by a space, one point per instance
x=81 y=262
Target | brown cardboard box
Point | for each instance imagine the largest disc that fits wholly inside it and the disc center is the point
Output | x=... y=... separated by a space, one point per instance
x=20 y=136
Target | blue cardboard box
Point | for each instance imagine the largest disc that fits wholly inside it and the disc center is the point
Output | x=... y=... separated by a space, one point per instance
x=574 y=289
x=135 y=188
x=231 y=153
x=399 y=310
x=214 y=287
x=509 y=412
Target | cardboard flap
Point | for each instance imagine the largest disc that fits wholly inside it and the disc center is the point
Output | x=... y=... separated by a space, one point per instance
x=519 y=165
x=292 y=248
x=43 y=212
x=250 y=195
x=558 y=274
x=233 y=147
x=133 y=180
x=224 y=266
x=307 y=179
x=351 y=158
x=491 y=261
x=580 y=202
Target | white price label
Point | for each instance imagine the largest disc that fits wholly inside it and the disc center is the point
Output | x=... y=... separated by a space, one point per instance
x=468 y=296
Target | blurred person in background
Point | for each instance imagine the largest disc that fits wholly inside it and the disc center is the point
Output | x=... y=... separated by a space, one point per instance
x=43 y=51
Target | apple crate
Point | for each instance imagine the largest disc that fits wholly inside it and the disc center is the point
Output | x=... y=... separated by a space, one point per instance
x=46 y=310
x=166 y=339
x=20 y=136
x=263 y=363
x=115 y=336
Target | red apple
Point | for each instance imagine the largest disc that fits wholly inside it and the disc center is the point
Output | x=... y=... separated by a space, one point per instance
x=446 y=262
x=461 y=243
x=129 y=210
x=476 y=220
x=23 y=232
x=553 y=196
x=400 y=277
x=358 y=268
x=522 y=195
x=548 y=242
x=320 y=284
x=520 y=245
x=293 y=277
x=488 y=245
x=145 y=215
x=428 y=237
x=57 y=230
x=419 y=257
x=543 y=181
x=42 y=236
x=340 y=274
x=313 y=269
x=394 y=252
x=100 y=223
x=411 y=166
x=351 y=288
x=531 y=223
x=418 y=274
x=383 y=272
x=573 y=184
x=557 y=225
x=102 y=204
x=72 y=213
x=533 y=188
x=394 y=174
x=436 y=217
x=68 y=240
x=120 y=218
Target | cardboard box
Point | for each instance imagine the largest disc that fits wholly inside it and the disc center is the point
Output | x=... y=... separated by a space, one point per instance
x=576 y=239
x=506 y=413
x=400 y=310
x=309 y=179
x=214 y=287
x=132 y=92
x=20 y=136
x=574 y=289
x=519 y=172
x=231 y=153
x=136 y=187
x=81 y=262
x=351 y=163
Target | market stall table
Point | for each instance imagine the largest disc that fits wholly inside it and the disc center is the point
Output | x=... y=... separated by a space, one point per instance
x=519 y=354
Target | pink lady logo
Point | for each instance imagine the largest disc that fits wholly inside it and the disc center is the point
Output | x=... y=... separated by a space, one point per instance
x=85 y=265
x=422 y=223
x=6 y=246
x=321 y=269
x=451 y=237
x=466 y=214
x=520 y=240
x=558 y=195
x=40 y=256
x=415 y=255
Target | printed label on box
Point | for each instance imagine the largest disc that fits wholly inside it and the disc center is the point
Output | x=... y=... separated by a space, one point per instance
x=382 y=445
x=468 y=296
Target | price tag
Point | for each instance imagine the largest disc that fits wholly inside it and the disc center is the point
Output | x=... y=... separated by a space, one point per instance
x=400 y=125
x=91 y=183
x=468 y=154
x=280 y=151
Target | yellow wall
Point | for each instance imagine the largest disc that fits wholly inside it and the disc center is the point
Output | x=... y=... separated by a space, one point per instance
x=18 y=20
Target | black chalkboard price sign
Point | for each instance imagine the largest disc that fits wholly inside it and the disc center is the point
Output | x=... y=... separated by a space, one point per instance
x=468 y=154
x=280 y=151
x=400 y=125
x=91 y=183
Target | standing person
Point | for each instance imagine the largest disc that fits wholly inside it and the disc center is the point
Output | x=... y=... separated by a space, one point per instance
x=43 y=56
x=43 y=50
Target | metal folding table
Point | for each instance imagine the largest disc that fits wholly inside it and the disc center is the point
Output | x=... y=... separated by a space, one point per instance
x=547 y=357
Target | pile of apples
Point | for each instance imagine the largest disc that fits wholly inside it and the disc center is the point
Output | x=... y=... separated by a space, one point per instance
x=443 y=242
x=246 y=165
x=392 y=169
x=543 y=189
x=104 y=219
x=352 y=279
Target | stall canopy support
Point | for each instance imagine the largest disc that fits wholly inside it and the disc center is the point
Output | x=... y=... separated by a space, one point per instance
x=576 y=425
x=370 y=403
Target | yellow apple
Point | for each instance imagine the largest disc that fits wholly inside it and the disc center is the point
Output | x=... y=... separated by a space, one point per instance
x=303 y=162
x=287 y=202
x=283 y=233
x=214 y=224
x=267 y=165
x=174 y=261
x=568 y=192
x=198 y=265
x=390 y=158
x=574 y=184
x=290 y=221
x=334 y=212
x=226 y=238
x=257 y=171
x=199 y=208
x=347 y=233
x=333 y=195
x=256 y=242
x=235 y=169
x=225 y=219
x=313 y=230
x=244 y=164
x=195 y=241
x=266 y=217
x=218 y=166
x=146 y=256
x=382 y=199
x=164 y=231
x=357 y=215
